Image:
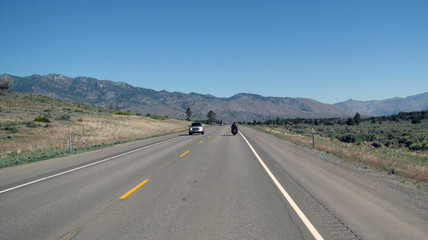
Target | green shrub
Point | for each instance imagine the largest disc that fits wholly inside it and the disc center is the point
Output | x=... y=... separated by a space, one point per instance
x=350 y=122
x=416 y=121
x=41 y=119
x=122 y=113
x=157 y=117
x=348 y=138
x=377 y=144
x=415 y=146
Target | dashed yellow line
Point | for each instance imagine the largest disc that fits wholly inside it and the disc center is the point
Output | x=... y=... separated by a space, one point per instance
x=134 y=189
x=184 y=153
x=201 y=141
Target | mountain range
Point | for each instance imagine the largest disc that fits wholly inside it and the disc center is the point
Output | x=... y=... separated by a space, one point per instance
x=240 y=107
x=387 y=106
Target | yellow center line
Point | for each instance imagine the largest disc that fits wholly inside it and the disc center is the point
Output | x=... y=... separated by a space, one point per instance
x=184 y=153
x=201 y=141
x=134 y=189
x=208 y=136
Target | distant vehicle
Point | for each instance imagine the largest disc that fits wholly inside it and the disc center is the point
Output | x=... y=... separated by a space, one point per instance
x=196 y=127
x=234 y=129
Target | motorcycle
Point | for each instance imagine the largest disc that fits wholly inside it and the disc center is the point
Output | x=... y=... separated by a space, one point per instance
x=234 y=131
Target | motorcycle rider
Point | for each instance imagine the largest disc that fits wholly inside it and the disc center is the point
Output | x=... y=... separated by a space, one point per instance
x=234 y=127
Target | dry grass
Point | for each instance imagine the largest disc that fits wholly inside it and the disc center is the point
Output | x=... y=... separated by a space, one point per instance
x=88 y=126
x=92 y=130
x=409 y=164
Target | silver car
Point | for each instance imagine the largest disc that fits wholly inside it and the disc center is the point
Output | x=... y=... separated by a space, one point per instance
x=196 y=127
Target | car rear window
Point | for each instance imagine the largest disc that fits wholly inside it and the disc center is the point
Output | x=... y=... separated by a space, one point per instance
x=196 y=124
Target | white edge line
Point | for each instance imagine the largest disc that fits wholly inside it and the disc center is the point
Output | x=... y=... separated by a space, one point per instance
x=81 y=167
x=299 y=212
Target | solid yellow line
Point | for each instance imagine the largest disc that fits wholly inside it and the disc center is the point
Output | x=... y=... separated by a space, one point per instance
x=134 y=189
x=201 y=141
x=184 y=153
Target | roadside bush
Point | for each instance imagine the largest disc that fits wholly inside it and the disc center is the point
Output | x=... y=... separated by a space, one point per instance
x=64 y=117
x=377 y=144
x=122 y=113
x=416 y=121
x=350 y=122
x=348 y=138
x=406 y=141
x=389 y=144
x=415 y=146
x=403 y=130
x=41 y=119
x=419 y=146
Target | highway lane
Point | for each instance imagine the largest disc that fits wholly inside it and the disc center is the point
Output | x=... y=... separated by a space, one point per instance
x=208 y=186
x=215 y=191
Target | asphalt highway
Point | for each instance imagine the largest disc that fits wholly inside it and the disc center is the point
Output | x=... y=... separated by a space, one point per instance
x=212 y=186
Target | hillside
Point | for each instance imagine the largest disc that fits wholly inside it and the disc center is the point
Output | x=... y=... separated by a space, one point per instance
x=34 y=127
x=386 y=107
x=119 y=95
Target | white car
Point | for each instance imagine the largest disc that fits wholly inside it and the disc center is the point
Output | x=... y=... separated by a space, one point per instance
x=196 y=127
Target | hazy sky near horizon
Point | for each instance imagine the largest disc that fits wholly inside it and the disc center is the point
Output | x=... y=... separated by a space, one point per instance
x=329 y=51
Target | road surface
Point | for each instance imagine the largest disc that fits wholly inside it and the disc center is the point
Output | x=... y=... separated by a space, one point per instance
x=212 y=186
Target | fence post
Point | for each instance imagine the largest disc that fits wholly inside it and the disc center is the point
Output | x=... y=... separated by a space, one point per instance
x=69 y=139
x=313 y=138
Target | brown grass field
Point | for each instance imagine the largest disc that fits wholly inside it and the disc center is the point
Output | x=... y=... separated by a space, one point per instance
x=393 y=161
x=88 y=126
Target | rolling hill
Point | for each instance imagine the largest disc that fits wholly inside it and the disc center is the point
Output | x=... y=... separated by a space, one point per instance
x=119 y=95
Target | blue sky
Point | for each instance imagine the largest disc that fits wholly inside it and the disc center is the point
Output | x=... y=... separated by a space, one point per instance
x=329 y=51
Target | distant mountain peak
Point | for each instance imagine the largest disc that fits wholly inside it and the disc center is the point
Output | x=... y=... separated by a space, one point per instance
x=55 y=76
x=246 y=96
